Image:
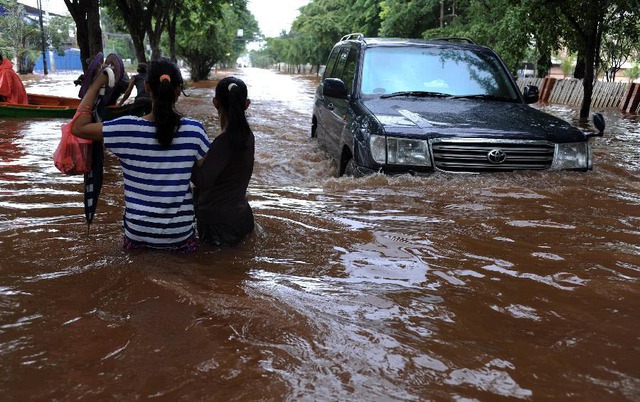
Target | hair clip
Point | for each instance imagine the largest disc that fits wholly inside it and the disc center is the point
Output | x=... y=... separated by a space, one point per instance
x=231 y=86
x=165 y=77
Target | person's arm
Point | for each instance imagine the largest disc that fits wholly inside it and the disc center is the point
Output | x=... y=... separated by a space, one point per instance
x=204 y=174
x=127 y=92
x=82 y=126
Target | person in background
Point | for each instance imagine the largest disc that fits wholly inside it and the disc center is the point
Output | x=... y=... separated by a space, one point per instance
x=157 y=153
x=137 y=81
x=11 y=86
x=223 y=214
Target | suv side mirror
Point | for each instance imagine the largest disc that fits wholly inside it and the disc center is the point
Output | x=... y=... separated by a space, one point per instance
x=334 y=88
x=530 y=94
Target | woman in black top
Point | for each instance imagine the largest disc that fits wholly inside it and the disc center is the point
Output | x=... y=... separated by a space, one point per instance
x=223 y=214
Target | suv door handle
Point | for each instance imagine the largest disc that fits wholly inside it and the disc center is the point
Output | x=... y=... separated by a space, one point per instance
x=330 y=106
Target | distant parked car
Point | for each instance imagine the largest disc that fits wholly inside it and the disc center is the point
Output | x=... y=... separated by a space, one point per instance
x=400 y=105
x=526 y=70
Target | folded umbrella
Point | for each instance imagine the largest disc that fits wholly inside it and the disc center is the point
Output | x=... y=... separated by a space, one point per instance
x=93 y=182
x=93 y=179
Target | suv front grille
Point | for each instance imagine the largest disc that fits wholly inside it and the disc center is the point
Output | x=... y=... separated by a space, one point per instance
x=456 y=155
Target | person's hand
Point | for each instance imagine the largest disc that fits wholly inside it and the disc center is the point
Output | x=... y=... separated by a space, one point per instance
x=101 y=80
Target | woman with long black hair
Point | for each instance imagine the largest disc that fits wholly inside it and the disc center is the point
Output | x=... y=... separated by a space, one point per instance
x=157 y=153
x=224 y=216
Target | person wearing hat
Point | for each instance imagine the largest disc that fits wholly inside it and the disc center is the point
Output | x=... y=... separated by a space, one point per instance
x=11 y=86
x=142 y=96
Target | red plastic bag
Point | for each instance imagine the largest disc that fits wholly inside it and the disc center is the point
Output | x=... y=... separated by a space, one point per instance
x=73 y=155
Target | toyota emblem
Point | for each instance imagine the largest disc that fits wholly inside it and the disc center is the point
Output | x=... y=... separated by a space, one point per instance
x=496 y=156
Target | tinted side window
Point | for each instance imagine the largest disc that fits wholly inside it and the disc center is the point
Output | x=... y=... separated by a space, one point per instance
x=342 y=60
x=349 y=71
x=333 y=57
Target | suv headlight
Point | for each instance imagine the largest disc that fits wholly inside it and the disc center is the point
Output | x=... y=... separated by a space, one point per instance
x=573 y=155
x=378 y=147
x=399 y=151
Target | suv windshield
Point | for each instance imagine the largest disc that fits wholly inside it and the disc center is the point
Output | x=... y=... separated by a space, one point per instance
x=411 y=71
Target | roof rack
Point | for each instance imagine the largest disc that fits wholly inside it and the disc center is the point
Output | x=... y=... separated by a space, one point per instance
x=353 y=36
x=456 y=39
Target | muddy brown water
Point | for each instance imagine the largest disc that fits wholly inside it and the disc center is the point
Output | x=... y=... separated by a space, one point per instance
x=514 y=286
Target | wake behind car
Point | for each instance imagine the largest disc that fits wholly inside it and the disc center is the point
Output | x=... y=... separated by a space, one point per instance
x=415 y=106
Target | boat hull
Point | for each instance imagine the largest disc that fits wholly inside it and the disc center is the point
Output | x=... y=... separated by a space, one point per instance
x=52 y=107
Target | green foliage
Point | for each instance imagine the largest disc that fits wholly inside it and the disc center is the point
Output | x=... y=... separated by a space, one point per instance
x=320 y=25
x=518 y=30
x=207 y=33
x=22 y=39
x=364 y=16
x=57 y=32
x=250 y=29
x=261 y=58
x=567 y=64
x=409 y=19
x=114 y=29
x=19 y=38
x=633 y=73
x=584 y=23
x=111 y=18
x=120 y=44
x=494 y=23
x=619 y=41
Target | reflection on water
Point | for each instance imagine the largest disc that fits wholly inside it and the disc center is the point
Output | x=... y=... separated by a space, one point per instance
x=519 y=286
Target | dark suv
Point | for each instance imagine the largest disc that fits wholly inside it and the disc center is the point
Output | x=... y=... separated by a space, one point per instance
x=401 y=105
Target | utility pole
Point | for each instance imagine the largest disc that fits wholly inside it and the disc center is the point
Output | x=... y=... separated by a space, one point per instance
x=44 y=44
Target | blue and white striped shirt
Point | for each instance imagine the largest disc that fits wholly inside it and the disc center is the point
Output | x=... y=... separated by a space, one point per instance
x=158 y=201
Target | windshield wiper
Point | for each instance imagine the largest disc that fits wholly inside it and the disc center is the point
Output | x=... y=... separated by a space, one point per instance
x=419 y=94
x=485 y=97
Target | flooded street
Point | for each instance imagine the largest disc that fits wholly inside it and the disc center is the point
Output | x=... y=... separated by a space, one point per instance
x=510 y=286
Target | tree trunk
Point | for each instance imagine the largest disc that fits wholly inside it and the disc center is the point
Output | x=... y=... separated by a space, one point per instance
x=171 y=30
x=589 y=33
x=587 y=82
x=154 y=32
x=138 y=45
x=95 y=32
x=579 y=71
x=137 y=19
x=86 y=15
x=543 y=65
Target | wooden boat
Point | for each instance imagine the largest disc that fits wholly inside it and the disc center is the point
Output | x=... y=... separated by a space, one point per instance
x=50 y=106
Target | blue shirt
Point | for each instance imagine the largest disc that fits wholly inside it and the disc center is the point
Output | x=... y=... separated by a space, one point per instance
x=158 y=201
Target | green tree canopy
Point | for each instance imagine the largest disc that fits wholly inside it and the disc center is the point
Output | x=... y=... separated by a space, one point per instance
x=208 y=34
x=19 y=38
x=600 y=32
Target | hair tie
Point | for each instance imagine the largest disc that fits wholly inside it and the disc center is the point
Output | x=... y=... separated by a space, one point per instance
x=165 y=77
x=231 y=86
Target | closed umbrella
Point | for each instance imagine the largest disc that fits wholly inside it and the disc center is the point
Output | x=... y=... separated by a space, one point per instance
x=93 y=179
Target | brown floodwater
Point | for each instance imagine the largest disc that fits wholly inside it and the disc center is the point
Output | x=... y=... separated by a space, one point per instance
x=511 y=286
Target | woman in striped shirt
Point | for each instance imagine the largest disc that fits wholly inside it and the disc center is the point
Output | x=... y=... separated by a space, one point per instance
x=156 y=153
